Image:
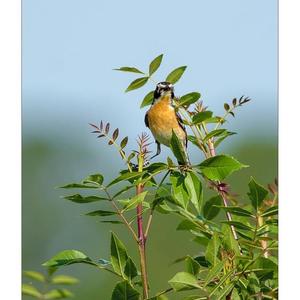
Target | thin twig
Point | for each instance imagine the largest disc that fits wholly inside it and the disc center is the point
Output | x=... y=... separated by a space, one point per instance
x=121 y=214
x=152 y=209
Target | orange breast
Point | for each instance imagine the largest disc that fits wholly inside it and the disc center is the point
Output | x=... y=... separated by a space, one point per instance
x=162 y=120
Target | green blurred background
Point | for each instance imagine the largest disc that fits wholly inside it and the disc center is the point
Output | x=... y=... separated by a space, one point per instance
x=69 y=51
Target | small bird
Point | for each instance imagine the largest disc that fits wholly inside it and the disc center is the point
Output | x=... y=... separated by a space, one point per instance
x=163 y=120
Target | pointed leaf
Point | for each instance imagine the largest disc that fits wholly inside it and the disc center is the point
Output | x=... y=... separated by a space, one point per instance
x=155 y=63
x=78 y=186
x=94 y=179
x=213 y=133
x=192 y=266
x=202 y=116
x=77 y=198
x=179 y=190
x=257 y=193
x=270 y=211
x=214 y=272
x=189 y=99
x=210 y=208
x=30 y=290
x=184 y=281
x=130 y=269
x=64 y=279
x=212 y=249
x=124 y=291
x=194 y=188
x=68 y=257
x=135 y=201
x=124 y=142
x=126 y=176
x=58 y=294
x=239 y=225
x=175 y=75
x=100 y=213
x=229 y=241
x=220 y=166
x=129 y=69
x=35 y=275
x=118 y=255
x=137 y=83
x=236 y=210
x=148 y=99
x=178 y=149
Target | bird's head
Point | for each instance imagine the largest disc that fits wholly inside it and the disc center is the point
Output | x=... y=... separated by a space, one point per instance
x=164 y=88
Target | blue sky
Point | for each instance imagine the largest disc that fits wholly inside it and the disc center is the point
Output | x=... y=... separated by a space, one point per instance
x=70 y=48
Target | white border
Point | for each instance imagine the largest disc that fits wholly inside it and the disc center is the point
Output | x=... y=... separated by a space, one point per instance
x=10 y=156
x=289 y=167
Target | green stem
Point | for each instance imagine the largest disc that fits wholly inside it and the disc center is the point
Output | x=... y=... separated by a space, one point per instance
x=141 y=236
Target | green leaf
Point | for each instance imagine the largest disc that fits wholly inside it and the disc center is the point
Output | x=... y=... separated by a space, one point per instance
x=124 y=291
x=179 y=190
x=212 y=249
x=220 y=166
x=94 y=179
x=202 y=116
x=213 y=133
x=111 y=222
x=175 y=75
x=222 y=280
x=266 y=265
x=100 y=213
x=148 y=99
x=30 y=290
x=222 y=137
x=35 y=275
x=64 y=279
x=118 y=255
x=58 y=294
x=77 y=198
x=236 y=210
x=253 y=285
x=201 y=240
x=228 y=240
x=130 y=269
x=214 y=272
x=161 y=297
x=239 y=225
x=189 y=99
x=177 y=148
x=155 y=63
x=129 y=69
x=126 y=176
x=68 y=257
x=225 y=291
x=192 y=265
x=235 y=295
x=186 y=225
x=257 y=193
x=194 y=188
x=210 y=208
x=135 y=201
x=202 y=261
x=137 y=83
x=270 y=211
x=184 y=281
x=78 y=186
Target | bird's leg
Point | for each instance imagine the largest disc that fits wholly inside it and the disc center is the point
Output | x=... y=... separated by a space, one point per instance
x=185 y=166
x=158 y=150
